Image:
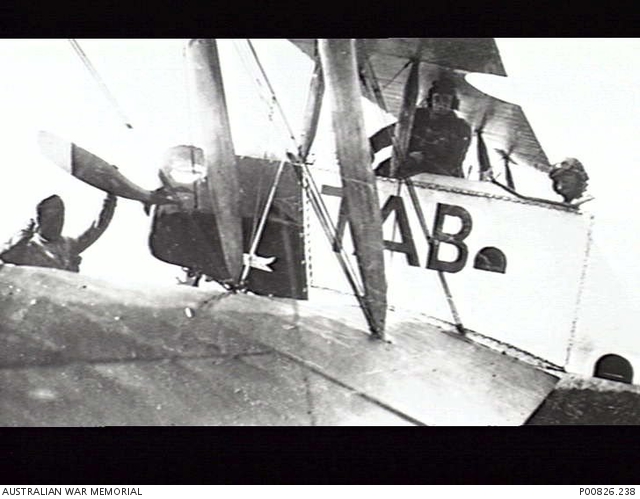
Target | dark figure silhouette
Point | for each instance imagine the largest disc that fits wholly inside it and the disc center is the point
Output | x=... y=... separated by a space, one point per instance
x=439 y=138
x=41 y=243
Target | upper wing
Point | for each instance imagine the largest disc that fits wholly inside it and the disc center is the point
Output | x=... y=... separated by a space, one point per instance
x=475 y=55
x=504 y=124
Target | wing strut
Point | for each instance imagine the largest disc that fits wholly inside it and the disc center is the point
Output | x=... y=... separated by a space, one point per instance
x=486 y=171
x=309 y=129
x=358 y=182
x=368 y=75
x=298 y=159
x=402 y=135
x=402 y=131
x=215 y=139
x=312 y=110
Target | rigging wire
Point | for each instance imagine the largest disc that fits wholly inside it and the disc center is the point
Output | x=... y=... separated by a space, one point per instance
x=414 y=198
x=272 y=92
x=370 y=82
x=262 y=94
x=257 y=229
x=330 y=230
x=259 y=226
x=397 y=74
x=315 y=197
x=98 y=79
x=263 y=221
x=427 y=235
x=256 y=210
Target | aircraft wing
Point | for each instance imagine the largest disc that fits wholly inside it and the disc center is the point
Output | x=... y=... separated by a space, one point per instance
x=475 y=55
x=504 y=124
x=80 y=351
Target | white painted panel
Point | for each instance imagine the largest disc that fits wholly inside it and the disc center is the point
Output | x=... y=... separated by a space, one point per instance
x=532 y=306
x=598 y=333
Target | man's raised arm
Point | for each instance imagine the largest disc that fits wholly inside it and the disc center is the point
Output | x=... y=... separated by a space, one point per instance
x=92 y=234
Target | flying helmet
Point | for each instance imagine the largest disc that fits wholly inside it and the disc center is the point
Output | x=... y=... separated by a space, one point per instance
x=443 y=85
x=569 y=179
x=50 y=217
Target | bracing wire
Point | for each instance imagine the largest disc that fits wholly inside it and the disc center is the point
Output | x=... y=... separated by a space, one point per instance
x=242 y=58
x=370 y=81
x=414 y=198
x=263 y=221
x=98 y=79
x=273 y=93
x=315 y=197
x=259 y=226
x=331 y=231
x=397 y=74
x=268 y=101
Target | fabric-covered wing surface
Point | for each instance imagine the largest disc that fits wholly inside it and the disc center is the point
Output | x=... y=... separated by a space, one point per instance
x=504 y=124
x=476 y=55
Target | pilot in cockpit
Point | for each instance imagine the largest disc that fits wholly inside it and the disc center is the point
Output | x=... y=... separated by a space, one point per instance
x=439 y=137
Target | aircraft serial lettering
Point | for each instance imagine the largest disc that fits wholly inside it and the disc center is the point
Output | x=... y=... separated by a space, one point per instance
x=406 y=245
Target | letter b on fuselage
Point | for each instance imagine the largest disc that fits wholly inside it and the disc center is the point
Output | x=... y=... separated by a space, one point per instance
x=439 y=236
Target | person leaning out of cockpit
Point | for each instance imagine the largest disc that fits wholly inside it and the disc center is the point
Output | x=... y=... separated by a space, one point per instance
x=439 y=137
x=41 y=243
x=569 y=179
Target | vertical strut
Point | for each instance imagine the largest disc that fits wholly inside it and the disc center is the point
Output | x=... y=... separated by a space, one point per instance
x=358 y=182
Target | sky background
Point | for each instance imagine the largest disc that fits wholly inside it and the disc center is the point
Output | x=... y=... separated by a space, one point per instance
x=580 y=95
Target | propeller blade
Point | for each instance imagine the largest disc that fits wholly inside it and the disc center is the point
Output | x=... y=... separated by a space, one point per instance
x=94 y=170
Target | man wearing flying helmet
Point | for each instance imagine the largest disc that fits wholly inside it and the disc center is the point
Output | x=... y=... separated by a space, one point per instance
x=41 y=243
x=439 y=138
x=570 y=179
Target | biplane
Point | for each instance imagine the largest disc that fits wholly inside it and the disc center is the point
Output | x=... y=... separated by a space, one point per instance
x=354 y=298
